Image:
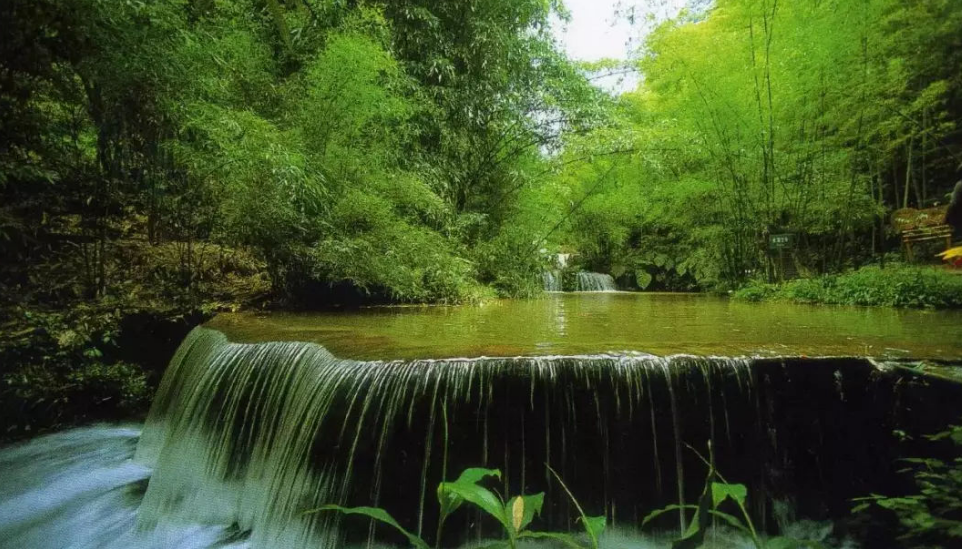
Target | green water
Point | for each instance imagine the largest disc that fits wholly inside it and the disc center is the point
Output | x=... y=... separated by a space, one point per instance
x=570 y=324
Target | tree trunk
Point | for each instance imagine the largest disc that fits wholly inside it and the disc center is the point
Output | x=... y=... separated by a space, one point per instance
x=908 y=178
x=925 y=144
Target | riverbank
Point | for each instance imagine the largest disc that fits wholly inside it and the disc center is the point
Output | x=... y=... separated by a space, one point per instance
x=893 y=286
x=85 y=362
x=69 y=358
x=70 y=362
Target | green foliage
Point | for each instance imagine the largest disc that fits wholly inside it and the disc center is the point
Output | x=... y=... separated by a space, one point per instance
x=718 y=491
x=179 y=158
x=466 y=489
x=756 y=291
x=721 y=491
x=346 y=145
x=415 y=150
x=508 y=263
x=514 y=516
x=932 y=516
x=594 y=526
x=757 y=118
x=58 y=369
x=893 y=286
x=379 y=515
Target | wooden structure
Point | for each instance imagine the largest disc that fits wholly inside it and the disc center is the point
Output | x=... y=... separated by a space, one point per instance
x=915 y=226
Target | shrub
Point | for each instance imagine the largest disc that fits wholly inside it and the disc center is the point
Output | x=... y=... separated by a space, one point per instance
x=60 y=368
x=895 y=286
x=508 y=263
x=932 y=516
x=756 y=291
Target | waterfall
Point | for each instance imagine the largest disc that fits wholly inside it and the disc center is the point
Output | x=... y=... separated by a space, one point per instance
x=243 y=438
x=552 y=281
x=257 y=434
x=595 y=282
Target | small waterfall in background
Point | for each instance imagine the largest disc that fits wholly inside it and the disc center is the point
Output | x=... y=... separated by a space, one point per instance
x=595 y=282
x=243 y=438
x=552 y=281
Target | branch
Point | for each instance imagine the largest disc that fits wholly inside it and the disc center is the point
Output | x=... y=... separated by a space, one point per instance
x=601 y=181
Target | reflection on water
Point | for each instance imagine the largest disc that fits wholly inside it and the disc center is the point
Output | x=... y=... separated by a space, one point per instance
x=660 y=324
x=559 y=317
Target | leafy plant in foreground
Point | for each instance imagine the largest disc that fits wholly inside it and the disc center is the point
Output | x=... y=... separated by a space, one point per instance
x=932 y=516
x=514 y=516
x=718 y=490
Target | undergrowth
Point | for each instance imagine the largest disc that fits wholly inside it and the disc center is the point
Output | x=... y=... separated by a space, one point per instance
x=931 y=515
x=894 y=286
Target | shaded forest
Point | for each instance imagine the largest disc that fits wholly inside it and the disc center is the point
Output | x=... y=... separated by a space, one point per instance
x=426 y=151
x=161 y=160
x=336 y=148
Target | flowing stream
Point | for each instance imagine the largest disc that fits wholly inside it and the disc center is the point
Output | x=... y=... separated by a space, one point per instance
x=243 y=438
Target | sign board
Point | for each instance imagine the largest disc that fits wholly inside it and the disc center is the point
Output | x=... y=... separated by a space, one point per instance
x=780 y=241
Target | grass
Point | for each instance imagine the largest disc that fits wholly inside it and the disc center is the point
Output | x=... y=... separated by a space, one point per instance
x=894 y=286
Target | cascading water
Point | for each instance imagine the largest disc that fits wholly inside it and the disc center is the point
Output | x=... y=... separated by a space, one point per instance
x=551 y=281
x=82 y=488
x=595 y=282
x=243 y=438
x=257 y=434
x=250 y=436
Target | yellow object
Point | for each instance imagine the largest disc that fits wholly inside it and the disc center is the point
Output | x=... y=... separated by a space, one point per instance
x=952 y=254
x=517 y=513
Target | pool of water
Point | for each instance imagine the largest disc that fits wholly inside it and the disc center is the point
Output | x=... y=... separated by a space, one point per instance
x=593 y=323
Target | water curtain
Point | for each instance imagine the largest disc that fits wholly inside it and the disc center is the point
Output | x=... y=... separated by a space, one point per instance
x=255 y=434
